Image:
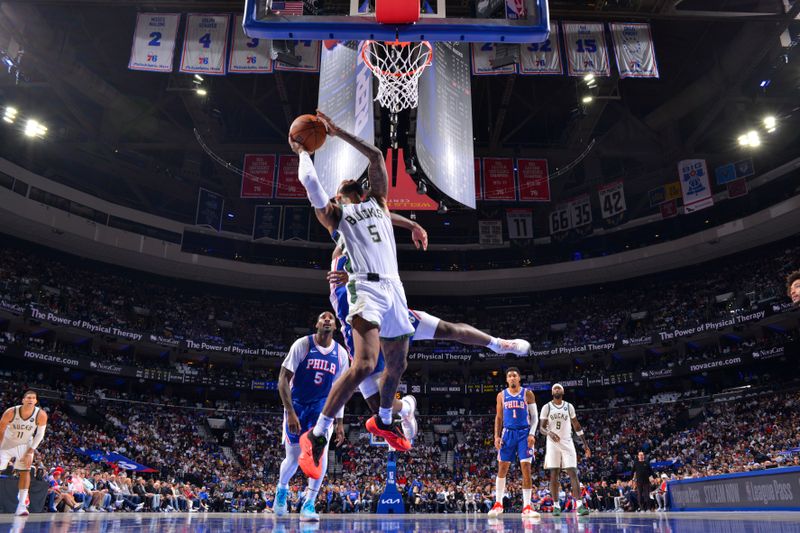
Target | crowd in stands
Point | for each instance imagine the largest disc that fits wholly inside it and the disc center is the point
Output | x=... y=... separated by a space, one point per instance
x=450 y=469
x=134 y=301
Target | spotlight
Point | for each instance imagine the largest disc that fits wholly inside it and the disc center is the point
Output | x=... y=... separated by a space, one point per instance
x=589 y=78
x=198 y=77
x=10 y=114
x=422 y=188
x=764 y=83
x=743 y=140
x=442 y=208
x=34 y=129
x=201 y=92
x=770 y=123
x=587 y=99
x=753 y=138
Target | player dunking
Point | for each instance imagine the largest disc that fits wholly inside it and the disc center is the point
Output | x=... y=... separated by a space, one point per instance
x=557 y=421
x=311 y=367
x=22 y=428
x=515 y=436
x=426 y=327
x=378 y=308
x=793 y=286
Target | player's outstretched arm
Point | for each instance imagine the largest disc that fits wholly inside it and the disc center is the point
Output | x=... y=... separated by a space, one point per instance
x=498 y=422
x=378 y=177
x=285 y=392
x=418 y=234
x=327 y=213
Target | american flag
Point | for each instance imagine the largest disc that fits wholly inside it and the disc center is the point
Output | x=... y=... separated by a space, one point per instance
x=287 y=8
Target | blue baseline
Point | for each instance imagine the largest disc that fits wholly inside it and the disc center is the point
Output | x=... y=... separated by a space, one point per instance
x=756 y=473
x=427 y=29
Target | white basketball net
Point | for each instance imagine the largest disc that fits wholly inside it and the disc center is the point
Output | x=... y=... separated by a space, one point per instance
x=398 y=67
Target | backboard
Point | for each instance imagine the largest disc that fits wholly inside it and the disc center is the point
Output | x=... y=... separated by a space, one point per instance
x=490 y=21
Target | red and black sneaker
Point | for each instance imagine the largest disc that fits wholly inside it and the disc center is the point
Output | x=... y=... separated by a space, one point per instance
x=390 y=432
x=311 y=449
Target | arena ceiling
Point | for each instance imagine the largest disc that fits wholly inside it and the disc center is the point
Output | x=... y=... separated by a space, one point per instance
x=128 y=136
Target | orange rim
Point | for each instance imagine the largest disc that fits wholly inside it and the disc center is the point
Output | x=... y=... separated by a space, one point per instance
x=403 y=44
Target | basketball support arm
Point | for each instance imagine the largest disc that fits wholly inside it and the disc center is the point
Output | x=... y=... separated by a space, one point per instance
x=307 y=175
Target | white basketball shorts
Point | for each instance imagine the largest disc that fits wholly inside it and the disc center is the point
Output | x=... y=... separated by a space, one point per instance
x=560 y=455
x=13 y=452
x=382 y=303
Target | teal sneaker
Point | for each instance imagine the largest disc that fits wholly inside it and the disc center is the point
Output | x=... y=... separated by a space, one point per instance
x=280 y=506
x=308 y=513
x=556 y=511
x=582 y=510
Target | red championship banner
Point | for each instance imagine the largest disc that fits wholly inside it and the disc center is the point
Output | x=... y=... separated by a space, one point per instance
x=288 y=184
x=258 y=178
x=478 y=187
x=534 y=180
x=498 y=178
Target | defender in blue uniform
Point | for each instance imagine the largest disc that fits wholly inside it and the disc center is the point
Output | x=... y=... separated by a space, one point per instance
x=307 y=374
x=426 y=327
x=514 y=436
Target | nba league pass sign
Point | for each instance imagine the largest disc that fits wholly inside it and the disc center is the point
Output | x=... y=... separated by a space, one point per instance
x=693 y=175
x=154 y=42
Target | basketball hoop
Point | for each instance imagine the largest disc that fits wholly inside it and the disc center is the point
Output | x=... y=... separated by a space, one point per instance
x=398 y=66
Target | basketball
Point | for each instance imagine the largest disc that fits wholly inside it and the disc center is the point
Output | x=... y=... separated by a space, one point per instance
x=309 y=131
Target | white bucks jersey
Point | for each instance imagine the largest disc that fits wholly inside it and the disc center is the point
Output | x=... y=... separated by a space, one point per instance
x=368 y=239
x=20 y=430
x=559 y=420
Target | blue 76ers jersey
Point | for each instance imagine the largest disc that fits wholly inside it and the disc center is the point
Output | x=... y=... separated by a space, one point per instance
x=315 y=374
x=515 y=410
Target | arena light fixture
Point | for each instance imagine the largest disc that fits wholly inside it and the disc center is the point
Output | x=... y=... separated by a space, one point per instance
x=198 y=77
x=770 y=123
x=10 y=114
x=201 y=92
x=587 y=99
x=753 y=138
x=33 y=128
x=743 y=140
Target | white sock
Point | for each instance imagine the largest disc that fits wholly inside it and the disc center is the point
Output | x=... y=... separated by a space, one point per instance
x=526 y=497
x=323 y=424
x=283 y=486
x=22 y=495
x=580 y=502
x=406 y=409
x=385 y=414
x=311 y=494
x=499 y=489
x=494 y=345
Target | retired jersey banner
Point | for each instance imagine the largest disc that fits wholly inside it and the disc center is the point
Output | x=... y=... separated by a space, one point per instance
x=520 y=223
x=560 y=220
x=154 y=42
x=478 y=187
x=249 y=55
x=498 y=178
x=307 y=53
x=633 y=48
x=258 y=178
x=267 y=222
x=205 y=44
x=612 y=199
x=542 y=58
x=483 y=55
x=534 y=180
x=694 y=184
x=581 y=211
x=586 y=48
x=289 y=185
x=209 y=209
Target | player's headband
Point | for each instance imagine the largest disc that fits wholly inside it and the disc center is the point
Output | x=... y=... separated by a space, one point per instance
x=557 y=386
